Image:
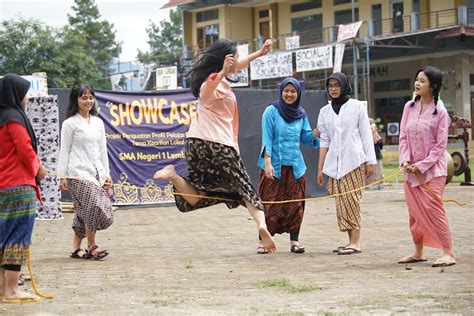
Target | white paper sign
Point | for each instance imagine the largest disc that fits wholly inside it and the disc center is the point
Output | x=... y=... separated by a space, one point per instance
x=347 y=31
x=242 y=75
x=167 y=78
x=292 y=42
x=314 y=58
x=338 y=56
x=38 y=86
x=272 y=66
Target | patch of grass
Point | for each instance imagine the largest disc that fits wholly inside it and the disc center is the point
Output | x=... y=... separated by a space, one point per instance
x=286 y=285
x=160 y=302
x=188 y=264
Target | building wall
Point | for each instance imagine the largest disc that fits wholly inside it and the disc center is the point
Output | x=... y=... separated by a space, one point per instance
x=236 y=28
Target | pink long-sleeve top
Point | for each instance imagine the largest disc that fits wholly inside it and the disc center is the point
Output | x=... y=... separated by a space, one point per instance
x=217 y=116
x=423 y=141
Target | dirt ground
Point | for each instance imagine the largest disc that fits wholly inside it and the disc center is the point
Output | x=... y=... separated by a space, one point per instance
x=205 y=263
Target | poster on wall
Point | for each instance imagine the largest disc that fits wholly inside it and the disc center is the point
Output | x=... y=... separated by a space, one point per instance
x=145 y=132
x=241 y=76
x=314 y=58
x=272 y=66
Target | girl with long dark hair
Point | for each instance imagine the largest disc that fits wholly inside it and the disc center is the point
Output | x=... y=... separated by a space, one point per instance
x=423 y=141
x=84 y=171
x=215 y=168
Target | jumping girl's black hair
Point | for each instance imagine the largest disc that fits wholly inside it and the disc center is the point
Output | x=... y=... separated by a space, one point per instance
x=435 y=77
x=210 y=61
x=78 y=91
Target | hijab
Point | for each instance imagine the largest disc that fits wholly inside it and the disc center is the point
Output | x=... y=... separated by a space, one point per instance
x=290 y=112
x=13 y=89
x=345 y=91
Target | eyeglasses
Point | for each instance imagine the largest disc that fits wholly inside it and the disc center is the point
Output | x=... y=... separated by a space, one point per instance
x=334 y=86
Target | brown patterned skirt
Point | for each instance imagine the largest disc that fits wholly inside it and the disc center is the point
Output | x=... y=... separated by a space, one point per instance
x=217 y=170
x=348 y=205
x=287 y=217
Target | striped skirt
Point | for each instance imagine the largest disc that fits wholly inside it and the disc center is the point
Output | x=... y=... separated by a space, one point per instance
x=348 y=205
x=17 y=217
x=93 y=208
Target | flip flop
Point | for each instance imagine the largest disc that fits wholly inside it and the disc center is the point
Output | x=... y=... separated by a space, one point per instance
x=411 y=259
x=261 y=250
x=21 y=300
x=350 y=251
x=339 y=248
x=443 y=264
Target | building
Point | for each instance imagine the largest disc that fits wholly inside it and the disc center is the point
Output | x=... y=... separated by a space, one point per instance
x=396 y=38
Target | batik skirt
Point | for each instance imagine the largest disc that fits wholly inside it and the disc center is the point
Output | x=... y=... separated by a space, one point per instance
x=17 y=217
x=348 y=204
x=218 y=171
x=92 y=205
x=287 y=217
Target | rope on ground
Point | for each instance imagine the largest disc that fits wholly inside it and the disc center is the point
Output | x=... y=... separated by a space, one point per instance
x=33 y=281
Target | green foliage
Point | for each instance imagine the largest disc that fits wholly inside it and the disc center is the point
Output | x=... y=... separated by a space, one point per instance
x=78 y=53
x=285 y=284
x=28 y=46
x=165 y=41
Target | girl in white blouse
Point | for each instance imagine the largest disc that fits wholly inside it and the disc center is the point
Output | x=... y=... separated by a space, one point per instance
x=346 y=155
x=84 y=171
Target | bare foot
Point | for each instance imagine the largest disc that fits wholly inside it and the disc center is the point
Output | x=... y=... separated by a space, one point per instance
x=167 y=173
x=20 y=297
x=267 y=239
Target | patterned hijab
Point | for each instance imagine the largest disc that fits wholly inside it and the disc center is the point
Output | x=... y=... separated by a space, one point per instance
x=290 y=112
x=13 y=89
x=346 y=91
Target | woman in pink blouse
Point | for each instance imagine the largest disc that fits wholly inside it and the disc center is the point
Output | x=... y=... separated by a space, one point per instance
x=423 y=141
x=215 y=168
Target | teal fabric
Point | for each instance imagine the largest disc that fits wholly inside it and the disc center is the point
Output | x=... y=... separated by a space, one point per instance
x=281 y=141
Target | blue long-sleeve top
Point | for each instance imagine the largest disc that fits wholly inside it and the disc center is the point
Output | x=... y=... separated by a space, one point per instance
x=281 y=141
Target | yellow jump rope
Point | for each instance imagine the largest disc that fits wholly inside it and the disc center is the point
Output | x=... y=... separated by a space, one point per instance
x=393 y=175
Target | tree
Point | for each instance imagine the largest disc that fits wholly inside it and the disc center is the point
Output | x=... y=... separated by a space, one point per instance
x=28 y=46
x=165 y=41
x=99 y=37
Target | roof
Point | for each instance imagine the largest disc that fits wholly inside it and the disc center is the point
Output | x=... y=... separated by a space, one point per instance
x=461 y=31
x=174 y=3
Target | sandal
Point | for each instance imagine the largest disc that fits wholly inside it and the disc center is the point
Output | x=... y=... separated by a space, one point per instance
x=297 y=249
x=97 y=254
x=261 y=250
x=80 y=254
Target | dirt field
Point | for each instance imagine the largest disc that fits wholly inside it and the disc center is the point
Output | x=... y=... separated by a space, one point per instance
x=204 y=263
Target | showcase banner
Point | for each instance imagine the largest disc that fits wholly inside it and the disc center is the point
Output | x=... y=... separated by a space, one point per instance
x=145 y=132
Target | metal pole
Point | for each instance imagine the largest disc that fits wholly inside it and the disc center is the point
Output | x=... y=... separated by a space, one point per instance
x=354 y=56
x=367 y=54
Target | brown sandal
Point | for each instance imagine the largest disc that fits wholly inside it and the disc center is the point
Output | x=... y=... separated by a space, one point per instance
x=76 y=254
x=97 y=254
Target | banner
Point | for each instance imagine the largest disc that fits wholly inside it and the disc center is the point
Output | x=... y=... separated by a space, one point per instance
x=145 y=132
x=242 y=75
x=348 y=31
x=338 y=56
x=314 y=58
x=292 y=42
x=272 y=66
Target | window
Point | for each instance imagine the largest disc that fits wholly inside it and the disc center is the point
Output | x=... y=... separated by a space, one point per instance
x=306 y=6
x=377 y=18
x=392 y=85
x=309 y=28
x=397 y=17
x=263 y=14
x=345 y=16
x=207 y=35
x=207 y=15
x=336 y=2
x=416 y=6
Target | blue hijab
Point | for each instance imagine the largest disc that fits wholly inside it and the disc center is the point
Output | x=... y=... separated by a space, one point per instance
x=290 y=112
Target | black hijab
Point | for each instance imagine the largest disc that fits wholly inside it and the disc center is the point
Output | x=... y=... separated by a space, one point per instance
x=13 y=89
x=290 y=112
x=345 y=91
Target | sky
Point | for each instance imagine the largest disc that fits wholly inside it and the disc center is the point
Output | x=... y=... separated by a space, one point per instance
x=130 y=17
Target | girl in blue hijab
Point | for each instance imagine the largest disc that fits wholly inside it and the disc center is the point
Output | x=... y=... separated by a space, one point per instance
x=282 y=175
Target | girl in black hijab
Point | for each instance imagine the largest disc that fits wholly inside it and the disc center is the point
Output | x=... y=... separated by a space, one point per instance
x=20 y=173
